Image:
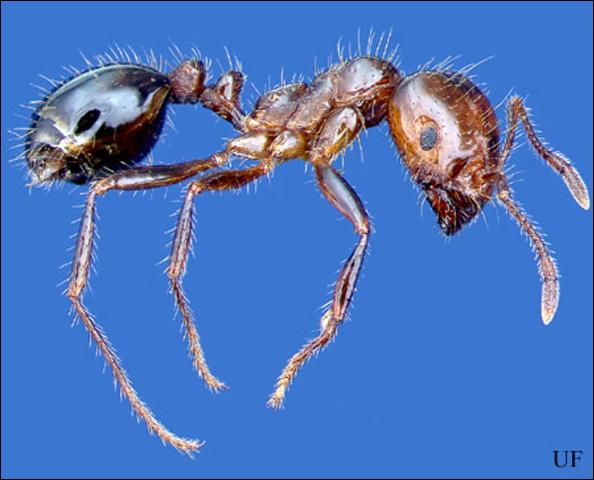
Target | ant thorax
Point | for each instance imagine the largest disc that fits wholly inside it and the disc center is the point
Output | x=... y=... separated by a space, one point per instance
x=317 y=121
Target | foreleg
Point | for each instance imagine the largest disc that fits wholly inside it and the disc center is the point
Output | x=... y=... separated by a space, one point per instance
x=343 y=197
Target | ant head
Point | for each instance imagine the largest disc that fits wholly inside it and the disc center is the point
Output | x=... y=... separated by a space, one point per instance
x=446 y=132
x=99 y=121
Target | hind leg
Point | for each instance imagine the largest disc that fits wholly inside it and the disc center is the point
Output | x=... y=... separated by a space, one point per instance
x=132 y=179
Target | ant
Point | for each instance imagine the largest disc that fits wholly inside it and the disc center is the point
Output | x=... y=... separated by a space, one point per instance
x=97 y=126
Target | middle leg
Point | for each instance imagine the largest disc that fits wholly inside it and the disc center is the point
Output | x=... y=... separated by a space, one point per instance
x=224 y=180
x=137 y=178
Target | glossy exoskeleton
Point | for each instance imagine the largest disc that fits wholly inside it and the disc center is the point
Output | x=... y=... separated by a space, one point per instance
x=96 y=126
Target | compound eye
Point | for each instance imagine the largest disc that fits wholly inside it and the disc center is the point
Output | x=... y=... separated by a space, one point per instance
x=428 y=138
x=87 y=121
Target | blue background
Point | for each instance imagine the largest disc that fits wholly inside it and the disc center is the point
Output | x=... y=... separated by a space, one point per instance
x=445 y=368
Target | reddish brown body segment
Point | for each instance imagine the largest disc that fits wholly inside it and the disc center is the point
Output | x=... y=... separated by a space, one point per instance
x=315 y=122
x=442 y=124
x=457 y=171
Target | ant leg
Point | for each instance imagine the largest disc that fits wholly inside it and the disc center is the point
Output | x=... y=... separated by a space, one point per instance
x=344 y=198
x=558 y=162
x=132 y=179
x=225 y=180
